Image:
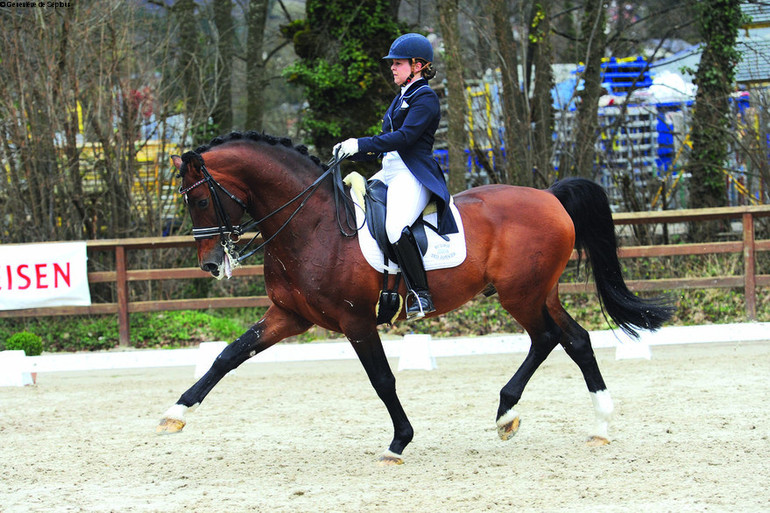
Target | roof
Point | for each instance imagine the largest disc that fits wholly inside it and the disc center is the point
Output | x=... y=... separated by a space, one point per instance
x=759 y=11
x=755 y=63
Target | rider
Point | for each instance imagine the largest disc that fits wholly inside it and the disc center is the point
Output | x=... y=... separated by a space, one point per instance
x=408 y=169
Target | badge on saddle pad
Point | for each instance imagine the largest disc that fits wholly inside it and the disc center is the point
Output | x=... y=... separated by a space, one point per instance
x=443 y=251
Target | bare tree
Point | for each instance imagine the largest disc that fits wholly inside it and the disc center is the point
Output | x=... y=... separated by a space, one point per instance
x=516 y=164
x=84 y=130
x=541 y=102
x=255 y=63
x=222 y=114
x=456 y=139
x=593 y=40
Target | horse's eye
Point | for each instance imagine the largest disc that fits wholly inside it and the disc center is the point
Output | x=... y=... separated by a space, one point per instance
x=203 y=203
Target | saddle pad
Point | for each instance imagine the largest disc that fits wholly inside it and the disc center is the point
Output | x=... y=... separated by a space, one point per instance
x=441 y=254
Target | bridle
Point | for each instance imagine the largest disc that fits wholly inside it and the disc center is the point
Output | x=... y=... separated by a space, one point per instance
x=229 y=234
x=225 y=228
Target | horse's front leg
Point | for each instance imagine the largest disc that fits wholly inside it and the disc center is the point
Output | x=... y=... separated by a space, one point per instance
x=375 y=362
x=276 y=325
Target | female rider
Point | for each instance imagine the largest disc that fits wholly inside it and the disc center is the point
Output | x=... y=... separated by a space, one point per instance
x=408 y=169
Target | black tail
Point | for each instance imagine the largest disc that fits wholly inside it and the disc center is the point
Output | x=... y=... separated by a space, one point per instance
x=587 y=205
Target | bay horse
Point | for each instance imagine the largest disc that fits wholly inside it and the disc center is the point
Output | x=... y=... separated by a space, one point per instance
x=518 y=239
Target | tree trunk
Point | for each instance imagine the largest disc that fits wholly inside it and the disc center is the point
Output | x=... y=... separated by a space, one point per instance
x=515 y=168
x=348 y=85
x=187 y=67
x=542 y=104
x=223 y=108
x=448 y=10
x=587 y=123
x=720 y=21
x=255 y=64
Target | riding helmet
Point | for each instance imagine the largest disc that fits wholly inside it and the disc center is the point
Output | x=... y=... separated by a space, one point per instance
x=411 y=46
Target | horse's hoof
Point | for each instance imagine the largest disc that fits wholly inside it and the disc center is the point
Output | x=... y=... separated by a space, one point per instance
x=507 y=430
x=596 y=441
x=508 y=425
x=389 y=459
x=168 y=426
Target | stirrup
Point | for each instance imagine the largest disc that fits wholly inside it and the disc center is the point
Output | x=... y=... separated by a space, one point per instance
x=421 y=306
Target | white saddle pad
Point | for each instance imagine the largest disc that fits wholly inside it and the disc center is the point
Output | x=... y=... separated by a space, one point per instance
x=441 y=254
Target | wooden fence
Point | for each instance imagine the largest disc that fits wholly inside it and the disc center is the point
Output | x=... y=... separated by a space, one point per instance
x=748 y=247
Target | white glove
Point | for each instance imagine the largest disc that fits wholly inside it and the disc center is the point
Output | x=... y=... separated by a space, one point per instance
x=346 y=148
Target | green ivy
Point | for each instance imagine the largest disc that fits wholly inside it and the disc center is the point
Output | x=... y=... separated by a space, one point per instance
x=340 y=45
x=719 y=21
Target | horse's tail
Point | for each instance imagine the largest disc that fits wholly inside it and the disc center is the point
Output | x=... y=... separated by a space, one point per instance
x=588 y=206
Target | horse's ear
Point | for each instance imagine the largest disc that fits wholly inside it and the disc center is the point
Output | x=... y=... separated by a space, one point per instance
x=177 y=160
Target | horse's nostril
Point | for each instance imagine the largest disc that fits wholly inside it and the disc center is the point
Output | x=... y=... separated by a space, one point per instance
x=210 y=268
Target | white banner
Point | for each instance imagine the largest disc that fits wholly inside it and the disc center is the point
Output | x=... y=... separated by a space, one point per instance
x=46 y=274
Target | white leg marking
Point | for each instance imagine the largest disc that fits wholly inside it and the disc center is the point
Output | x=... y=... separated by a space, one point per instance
x=390 y=458
x=507 y=418
x=390 y=454
x=177 y=412
x=603 y=409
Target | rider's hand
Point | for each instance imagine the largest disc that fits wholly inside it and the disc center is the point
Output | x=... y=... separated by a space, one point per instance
x=346 y=148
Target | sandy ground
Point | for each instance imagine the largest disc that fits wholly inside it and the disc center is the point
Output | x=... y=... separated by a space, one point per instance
x=690 y=434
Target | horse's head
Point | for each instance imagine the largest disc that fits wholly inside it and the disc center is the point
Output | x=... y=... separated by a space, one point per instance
x=215 y=210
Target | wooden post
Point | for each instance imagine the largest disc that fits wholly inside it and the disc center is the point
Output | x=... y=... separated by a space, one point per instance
x=749 y=267
x=122 y=289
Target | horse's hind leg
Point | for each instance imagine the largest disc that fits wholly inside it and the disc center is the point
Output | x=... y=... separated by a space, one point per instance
x=577 y=344
x=276 y=325
x=544 y=334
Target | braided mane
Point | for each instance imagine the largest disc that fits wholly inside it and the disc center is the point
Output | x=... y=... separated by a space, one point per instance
x=252 y=135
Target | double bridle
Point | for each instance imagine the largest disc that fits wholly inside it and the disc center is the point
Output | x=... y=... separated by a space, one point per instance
x=226 y=228
x=230 y=234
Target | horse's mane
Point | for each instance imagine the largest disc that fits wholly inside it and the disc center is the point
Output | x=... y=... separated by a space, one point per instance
x=252 y=135
x=336 y=184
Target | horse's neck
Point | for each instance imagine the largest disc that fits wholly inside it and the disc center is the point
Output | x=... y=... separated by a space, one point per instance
x=287 y=197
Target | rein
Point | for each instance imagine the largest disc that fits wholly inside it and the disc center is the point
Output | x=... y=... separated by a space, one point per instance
x=226 y=230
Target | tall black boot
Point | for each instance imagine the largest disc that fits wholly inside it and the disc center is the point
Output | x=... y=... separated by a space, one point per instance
x=413 y=269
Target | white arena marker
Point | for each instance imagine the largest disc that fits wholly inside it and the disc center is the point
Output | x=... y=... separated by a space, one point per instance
x=633 y=349
x=13 y=369
x=416 y=353
x=207 y=353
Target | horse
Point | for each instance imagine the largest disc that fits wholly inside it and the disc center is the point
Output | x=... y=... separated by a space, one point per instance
x=519 y=243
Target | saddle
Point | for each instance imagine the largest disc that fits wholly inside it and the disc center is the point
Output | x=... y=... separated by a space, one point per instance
x=376 y=210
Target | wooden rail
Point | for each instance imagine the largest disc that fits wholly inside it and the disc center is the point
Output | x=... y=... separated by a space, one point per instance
x=748 y=247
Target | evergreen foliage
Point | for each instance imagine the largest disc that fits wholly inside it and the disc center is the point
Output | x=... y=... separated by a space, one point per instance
x=348 y=86
x=31 y=344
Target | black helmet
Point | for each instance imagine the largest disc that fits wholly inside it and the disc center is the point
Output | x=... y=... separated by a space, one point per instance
x=411 y=46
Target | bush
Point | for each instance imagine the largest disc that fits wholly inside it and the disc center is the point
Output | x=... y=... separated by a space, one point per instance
x=31 y=344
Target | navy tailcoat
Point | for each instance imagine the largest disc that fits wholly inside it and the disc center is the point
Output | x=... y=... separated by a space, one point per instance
x=409 y=127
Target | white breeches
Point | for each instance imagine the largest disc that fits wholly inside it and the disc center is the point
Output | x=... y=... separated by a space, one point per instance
x=407 y=197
